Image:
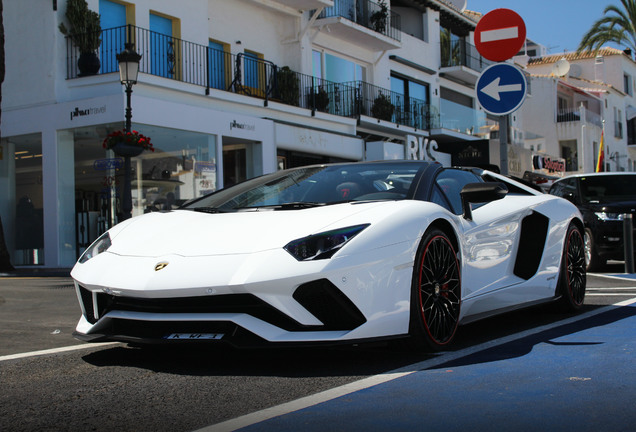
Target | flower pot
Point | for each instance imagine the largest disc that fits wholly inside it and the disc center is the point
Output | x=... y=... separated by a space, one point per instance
x=88 y=64
x=123 y=149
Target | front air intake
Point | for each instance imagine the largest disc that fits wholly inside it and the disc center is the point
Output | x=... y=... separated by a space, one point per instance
x=327 y=303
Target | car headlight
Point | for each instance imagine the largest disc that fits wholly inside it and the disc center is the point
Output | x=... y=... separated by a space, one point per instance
x=604 y=216
x=323 y=245
x=98 y=246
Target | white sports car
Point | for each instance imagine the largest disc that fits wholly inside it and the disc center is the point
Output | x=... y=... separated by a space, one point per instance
x=332 y=254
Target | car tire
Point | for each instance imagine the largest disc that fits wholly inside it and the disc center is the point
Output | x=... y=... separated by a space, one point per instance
x=593 y=261
x=572 y=275
x=435 y=293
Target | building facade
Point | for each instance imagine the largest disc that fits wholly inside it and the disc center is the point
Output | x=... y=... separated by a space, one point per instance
x=227 y=90
x=589 y=95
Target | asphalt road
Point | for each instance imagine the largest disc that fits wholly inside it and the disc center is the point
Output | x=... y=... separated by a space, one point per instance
x=116 y=387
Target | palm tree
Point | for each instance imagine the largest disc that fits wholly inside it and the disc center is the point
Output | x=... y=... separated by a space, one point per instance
x=616 y=26
x=5 y=263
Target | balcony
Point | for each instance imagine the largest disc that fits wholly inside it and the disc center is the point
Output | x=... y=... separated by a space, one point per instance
x=365 y=23
x=299 y=5
x=575 y=114
x=458 y=122
x=461 y=62
x=215 y=70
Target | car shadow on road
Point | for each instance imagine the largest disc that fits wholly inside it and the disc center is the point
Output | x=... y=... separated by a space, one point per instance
x=358 y=360
x=524 y=345
x=222 y=360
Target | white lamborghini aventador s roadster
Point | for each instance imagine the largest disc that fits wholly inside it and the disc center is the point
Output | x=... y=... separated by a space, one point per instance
x=333 y=254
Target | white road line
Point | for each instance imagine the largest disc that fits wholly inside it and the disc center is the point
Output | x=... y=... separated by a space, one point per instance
x=598 y=294
x=327 y=395
x=499 y=34
x=628 y=276
x=610 y=289
x=55 y=350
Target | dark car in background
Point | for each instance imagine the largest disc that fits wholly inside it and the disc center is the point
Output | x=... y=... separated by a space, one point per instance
x=603 y=199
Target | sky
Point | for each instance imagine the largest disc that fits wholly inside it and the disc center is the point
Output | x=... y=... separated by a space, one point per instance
x=559 y=25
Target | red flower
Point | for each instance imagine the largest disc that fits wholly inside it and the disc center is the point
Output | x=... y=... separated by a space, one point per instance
x=131 y=138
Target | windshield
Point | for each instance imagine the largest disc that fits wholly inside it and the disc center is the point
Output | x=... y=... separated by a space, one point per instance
x=598 y=189
x=315 y=185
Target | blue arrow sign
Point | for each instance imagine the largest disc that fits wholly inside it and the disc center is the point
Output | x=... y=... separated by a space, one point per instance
x=501 y=89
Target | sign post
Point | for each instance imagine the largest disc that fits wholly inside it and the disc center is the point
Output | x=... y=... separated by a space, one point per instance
x=501 y=88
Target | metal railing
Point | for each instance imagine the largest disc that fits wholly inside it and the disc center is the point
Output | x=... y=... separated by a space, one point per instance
x=461 y=53
x=242 y=73
x=374 y=16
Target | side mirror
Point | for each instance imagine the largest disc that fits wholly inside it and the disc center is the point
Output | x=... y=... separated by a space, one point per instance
x=481 y=192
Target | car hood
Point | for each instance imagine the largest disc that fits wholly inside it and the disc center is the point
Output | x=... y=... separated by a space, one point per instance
x=190 y=233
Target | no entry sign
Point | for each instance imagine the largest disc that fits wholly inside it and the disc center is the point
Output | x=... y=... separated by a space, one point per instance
x=500 y=34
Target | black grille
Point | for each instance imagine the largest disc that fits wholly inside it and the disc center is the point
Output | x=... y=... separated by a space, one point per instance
x=325 y=302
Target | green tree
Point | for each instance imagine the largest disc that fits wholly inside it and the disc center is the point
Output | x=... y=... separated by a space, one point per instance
x=618 y=25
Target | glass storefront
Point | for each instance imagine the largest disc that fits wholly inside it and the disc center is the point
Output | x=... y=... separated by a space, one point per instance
x=182 y=167
x=21 y=198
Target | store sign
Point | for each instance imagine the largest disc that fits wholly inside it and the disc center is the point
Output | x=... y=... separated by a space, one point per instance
x=552 y=165
x=107 y=164
x=244 y=126
x=419 y=148
x=87 y=111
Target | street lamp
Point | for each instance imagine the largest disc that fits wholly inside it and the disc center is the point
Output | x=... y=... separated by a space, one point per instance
x=128 y=61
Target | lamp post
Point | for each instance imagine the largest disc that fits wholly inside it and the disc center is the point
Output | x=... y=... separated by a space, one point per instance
x=128 y=61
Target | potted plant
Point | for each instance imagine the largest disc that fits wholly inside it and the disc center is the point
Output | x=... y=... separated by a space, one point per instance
x=127 y=144
x=378 y=18
x=288 y=86
x=85 y=32
x=382 y=107
x=318 y=99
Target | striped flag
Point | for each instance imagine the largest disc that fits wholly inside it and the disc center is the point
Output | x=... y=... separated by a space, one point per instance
x=600 y=161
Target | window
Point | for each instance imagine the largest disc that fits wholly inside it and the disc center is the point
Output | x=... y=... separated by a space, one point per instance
x=218 y=65
x=627 y=84
x=164 y=31
x=113 y=19
x=451 y=182
x=335 y=69
x=251 y=67
x=414 y=100
x=453 y=48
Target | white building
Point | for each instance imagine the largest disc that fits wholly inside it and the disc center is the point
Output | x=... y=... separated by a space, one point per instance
x=218 y=104
x=587 y=94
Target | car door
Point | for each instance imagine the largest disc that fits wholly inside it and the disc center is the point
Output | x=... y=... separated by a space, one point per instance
x=489 y=242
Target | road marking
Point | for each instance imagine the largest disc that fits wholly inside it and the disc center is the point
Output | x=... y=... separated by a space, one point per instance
x=327 y=395
x=500 y=34
x=599 y=294
x=55 y=350
x=628 y=276
x=610 y=289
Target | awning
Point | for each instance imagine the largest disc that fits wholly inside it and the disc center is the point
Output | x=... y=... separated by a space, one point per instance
x=631 y=112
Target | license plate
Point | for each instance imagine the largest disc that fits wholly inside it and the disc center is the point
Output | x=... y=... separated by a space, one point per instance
x=194 y=336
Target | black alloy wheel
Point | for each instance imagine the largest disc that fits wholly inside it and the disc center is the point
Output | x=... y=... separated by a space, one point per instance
x=436 y=292
x=572 y=279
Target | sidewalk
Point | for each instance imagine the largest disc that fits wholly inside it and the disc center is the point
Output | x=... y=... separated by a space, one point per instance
x=37 y=272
